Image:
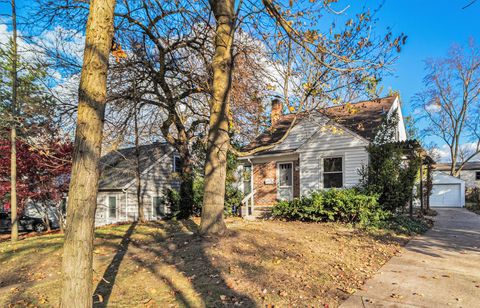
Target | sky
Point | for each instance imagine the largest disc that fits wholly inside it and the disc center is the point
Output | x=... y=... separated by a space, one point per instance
x=432 y=26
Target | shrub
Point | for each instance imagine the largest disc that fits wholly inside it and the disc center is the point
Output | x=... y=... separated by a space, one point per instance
x=233 y=197
x=171 y=198
x=344 y=205
x=391 y=174
x=406 y=225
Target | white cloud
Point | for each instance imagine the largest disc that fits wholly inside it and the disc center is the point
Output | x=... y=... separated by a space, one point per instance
x=432 y=108
x=443 y=152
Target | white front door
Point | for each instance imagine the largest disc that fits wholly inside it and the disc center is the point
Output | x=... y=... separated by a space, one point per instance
x=285 y=181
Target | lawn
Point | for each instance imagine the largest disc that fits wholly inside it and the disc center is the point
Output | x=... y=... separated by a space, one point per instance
x=166 y=264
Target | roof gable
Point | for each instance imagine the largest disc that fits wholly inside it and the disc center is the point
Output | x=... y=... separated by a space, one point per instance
x=118 y=168
x=362 y=118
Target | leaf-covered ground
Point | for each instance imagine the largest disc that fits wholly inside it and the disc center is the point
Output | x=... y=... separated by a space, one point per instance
x=166 y=264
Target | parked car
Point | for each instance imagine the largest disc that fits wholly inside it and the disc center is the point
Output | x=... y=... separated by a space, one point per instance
x=25 y=223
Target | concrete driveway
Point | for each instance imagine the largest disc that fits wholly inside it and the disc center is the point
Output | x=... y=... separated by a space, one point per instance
x=438 y=269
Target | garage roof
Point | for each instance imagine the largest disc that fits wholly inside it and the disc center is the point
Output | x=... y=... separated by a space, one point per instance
x=443 y=178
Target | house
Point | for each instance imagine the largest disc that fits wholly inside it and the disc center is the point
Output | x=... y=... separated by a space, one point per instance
x=470 y=173
x=324 y=149
x=159 y=167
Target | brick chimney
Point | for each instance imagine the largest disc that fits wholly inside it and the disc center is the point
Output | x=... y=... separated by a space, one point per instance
x=277 y=110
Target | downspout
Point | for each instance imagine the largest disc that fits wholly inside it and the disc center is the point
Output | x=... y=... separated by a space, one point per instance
x=126 y=203
x=251 y=185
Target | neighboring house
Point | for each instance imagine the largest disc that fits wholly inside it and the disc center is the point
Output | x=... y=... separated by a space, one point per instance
x=324 y=149
x=117 y=191
x=470 y=173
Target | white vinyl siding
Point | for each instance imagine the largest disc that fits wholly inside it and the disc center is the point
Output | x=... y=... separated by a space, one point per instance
x=153 y=183
x=302 y=132
x=331 y=141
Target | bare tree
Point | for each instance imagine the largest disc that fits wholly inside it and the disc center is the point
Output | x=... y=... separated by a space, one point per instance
x=348 y=55
x=82 y=201
x=450 y=102
x=13 y=159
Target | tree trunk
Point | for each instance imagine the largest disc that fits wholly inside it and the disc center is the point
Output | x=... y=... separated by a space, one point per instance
x=218 y=139
x=186 y=186
x=82 y=196
x=141 y=212
x=13 y=157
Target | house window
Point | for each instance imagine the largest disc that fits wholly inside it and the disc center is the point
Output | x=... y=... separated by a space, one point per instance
x=112 y=207
x=157 y=205
x=285 y=175
x=332 y=172
x=177 y=164
x=477 y=175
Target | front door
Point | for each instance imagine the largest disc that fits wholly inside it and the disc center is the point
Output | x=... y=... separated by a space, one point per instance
x=285 y=181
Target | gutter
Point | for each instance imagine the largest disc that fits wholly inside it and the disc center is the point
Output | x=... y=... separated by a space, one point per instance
x=126 y=203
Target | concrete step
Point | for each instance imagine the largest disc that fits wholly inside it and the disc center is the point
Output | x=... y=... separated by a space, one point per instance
x=260 y=212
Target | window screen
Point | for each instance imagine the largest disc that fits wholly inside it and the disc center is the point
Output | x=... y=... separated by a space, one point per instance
x=332 y=172
x=112 y=207
x=477 y=175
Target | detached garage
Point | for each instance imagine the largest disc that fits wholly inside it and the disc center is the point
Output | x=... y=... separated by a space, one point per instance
x=447 y=191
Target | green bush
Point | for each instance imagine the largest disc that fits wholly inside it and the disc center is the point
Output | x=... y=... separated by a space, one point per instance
x=172 y=200
x=390 y=175
x=233 y=197
x=344 y=205
x=406 y=225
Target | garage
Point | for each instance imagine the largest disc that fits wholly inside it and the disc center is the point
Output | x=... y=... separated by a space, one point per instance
x=447 y=191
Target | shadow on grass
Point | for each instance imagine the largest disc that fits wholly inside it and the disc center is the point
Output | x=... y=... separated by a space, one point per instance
x=107 y=282
x=194 y=281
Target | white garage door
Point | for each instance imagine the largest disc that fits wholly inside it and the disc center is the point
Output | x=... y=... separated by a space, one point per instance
x=447 y=195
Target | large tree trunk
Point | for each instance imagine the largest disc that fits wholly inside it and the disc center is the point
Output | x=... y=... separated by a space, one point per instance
x=218 y=139
x=186 y=186
x=82 y=196
x=13 y=157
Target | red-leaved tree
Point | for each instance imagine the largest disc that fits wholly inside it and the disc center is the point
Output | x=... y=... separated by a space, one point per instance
x=43 y=172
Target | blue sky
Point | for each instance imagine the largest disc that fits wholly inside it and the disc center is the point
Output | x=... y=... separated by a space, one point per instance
x=432 y=27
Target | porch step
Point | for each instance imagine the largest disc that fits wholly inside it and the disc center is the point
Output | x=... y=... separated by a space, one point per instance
x=260 y=212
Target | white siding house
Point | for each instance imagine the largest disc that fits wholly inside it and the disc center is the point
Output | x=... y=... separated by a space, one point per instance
x=325 y=148
x=117 y=193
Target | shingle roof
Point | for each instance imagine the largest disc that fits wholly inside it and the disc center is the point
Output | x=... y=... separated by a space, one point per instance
x=473 y=165
x=118 y=167
x=363 y=118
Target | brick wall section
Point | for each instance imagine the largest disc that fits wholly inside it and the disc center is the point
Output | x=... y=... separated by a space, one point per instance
x=266 y=194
